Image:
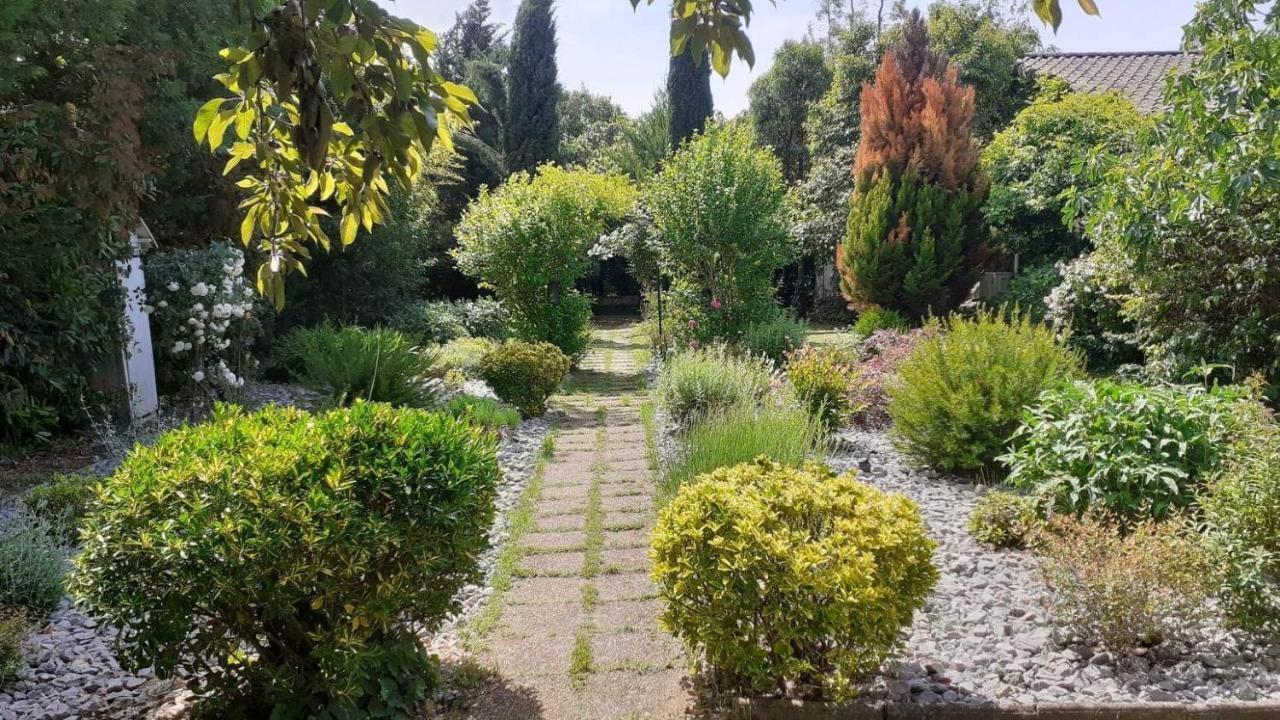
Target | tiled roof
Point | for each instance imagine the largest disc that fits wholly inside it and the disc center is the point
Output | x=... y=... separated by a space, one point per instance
x=1138 y=76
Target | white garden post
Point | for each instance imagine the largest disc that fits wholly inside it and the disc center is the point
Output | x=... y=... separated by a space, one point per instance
x=137 y=361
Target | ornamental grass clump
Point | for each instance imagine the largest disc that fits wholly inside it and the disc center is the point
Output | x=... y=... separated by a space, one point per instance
x=960 y=393
x=698 y=383
x=773 y=339
x=1127 y=590
x=790 y=579
x=33 y=563
x=352 y=363
x=525 y=374
x=285 y=560
x=1131 y=450
x=784 y=433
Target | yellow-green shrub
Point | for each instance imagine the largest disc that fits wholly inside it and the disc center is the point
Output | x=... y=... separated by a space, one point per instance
x=961 y=392
x=284 y=558
x=777 y=575
x=525 y=374
x=823 y=379
x=1002 y=519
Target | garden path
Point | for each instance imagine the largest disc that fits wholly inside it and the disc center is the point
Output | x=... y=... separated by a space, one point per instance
x=578 y=638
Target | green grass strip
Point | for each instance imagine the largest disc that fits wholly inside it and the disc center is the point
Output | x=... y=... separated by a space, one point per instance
x=581 y=662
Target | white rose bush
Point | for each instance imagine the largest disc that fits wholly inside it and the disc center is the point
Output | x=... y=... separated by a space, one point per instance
x=204 y=317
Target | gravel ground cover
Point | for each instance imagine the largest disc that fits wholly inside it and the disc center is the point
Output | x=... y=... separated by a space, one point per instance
x=986 y=636
x=72 y=670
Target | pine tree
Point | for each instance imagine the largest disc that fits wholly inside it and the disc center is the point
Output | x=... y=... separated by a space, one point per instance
x=533 y=94
x=689 y=92
x=915 y=235
x=472 y=37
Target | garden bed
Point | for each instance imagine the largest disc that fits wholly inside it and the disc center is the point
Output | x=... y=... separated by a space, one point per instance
x=71 y=666
x=984 y=638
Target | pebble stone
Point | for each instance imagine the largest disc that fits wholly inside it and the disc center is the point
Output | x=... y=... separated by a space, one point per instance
x=72 y=671
x=985 y=635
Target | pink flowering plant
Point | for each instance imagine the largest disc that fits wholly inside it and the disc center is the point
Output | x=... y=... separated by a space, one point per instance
x=204 y=317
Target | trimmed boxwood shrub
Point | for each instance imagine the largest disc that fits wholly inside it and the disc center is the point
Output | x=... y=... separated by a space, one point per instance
x=960 y=393
x=525 y=374
x=790 y=577
x=282 y=557
x=1131 y=450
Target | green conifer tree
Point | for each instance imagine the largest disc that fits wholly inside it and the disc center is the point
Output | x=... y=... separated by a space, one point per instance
x=532 y=131
x=689 y=92
x=915 y=235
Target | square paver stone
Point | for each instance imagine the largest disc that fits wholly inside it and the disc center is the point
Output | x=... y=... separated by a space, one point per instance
x=627 y=616
x=562 y=564
x=627 y=586
x=539 y=542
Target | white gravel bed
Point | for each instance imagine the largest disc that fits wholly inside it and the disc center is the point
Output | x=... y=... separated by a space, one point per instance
x=985 y=635
x=518 y=457
x=72 y=670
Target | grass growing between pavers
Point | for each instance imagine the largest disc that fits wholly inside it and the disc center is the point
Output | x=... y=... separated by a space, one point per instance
x=506 y=568
x=581 y=663
x=580 y=659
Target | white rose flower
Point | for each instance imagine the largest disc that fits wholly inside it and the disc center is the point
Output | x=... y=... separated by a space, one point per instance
x=173 y=287
x=163 y=303
x=198 y=376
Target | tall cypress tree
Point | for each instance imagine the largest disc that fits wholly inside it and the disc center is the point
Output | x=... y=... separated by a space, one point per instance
x=533 y=96
x=689 y=92
x=915 y=232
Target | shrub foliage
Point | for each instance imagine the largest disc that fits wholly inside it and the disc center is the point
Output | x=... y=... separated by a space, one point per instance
x=1002 y=519
x=528 y=241
x=1241 y=510
x=960 y=393
x=784 y=577
x=280 y=556
x=718 y=209
x=824 y=379
x=525 y=374
x=1131 y=450
x=1126 y=591
x=696 y=383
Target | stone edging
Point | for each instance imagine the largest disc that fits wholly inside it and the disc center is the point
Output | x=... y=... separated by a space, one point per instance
x=772 y=709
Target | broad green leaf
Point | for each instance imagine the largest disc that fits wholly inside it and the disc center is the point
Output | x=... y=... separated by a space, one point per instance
x=204 y=117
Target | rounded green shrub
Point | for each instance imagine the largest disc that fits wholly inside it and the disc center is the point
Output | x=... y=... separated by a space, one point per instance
x=874 y=319
x=1131 y=450
x=525 y=374
x=960 y=393
x=1002 y=519
x=696 y=383
x=782 y=576
x=773 y=339
x=823 y=380
x=285 y=558
x=1241 y=511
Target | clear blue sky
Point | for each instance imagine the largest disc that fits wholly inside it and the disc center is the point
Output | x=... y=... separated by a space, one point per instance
x=614 y=51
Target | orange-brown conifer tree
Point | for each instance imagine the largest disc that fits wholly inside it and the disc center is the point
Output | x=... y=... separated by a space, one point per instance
x=914 y=239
